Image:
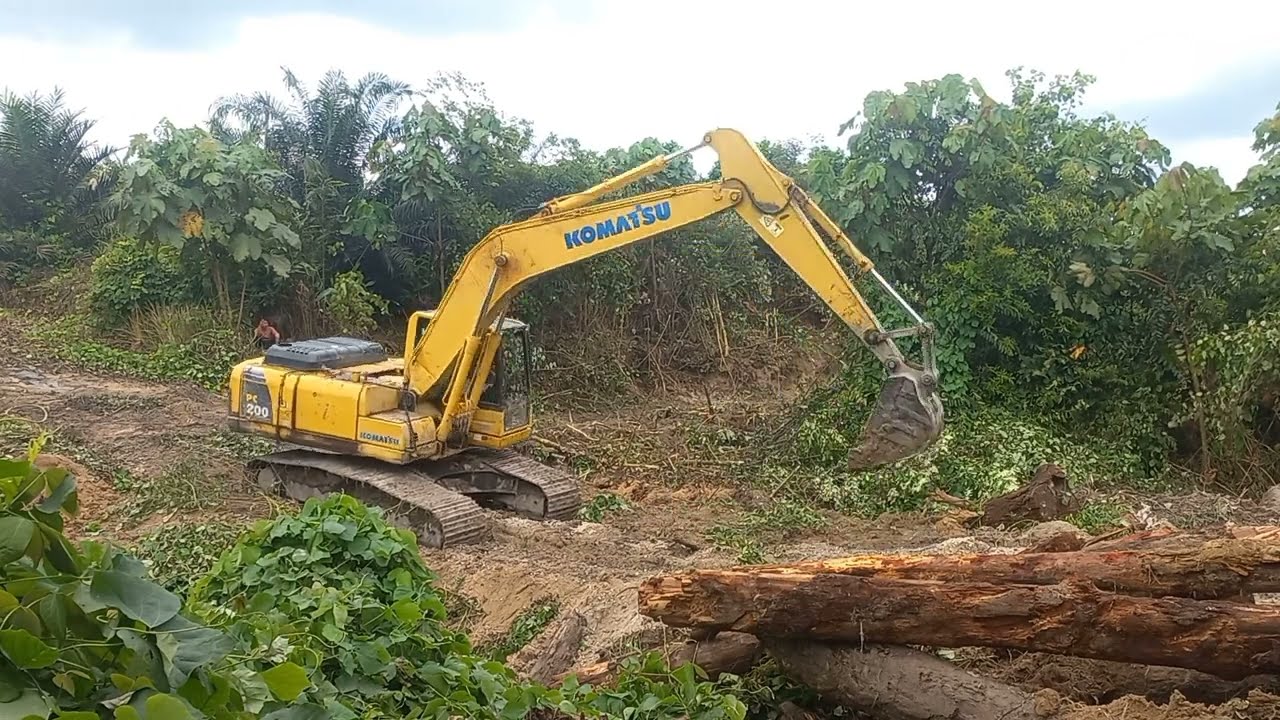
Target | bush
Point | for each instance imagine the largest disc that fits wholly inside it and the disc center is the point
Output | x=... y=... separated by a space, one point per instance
x=128 y=277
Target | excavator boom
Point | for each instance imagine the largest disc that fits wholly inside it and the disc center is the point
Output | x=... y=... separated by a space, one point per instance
x=908 y=415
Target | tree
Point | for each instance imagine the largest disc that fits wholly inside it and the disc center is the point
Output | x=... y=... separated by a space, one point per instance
x=219 y=204
x=52 y=179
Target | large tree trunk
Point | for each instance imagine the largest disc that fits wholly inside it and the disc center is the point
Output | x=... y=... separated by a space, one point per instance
x=1231 y=640
x=896 y=683
x=1216 y=569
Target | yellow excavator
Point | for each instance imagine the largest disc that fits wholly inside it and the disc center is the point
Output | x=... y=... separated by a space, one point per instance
x=431 y=436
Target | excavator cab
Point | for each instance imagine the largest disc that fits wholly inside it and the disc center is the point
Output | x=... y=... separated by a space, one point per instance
x=508 y=386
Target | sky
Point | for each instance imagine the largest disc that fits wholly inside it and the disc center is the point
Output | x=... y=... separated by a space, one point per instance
x=1199 y=77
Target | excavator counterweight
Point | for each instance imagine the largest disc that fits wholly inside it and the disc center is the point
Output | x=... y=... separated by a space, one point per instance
x=431 y=435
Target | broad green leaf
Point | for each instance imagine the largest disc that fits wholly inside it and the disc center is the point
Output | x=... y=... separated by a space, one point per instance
x=408 y=611
x=168 y=707
x=286 y=681
x=77 y=715
x=299 y=712
x=260 y=218
x=15 y=536
x=139 y=599
x=26 y=650
x=59 y=552
x=52 y=610
x=31 y=703
x=186 y=646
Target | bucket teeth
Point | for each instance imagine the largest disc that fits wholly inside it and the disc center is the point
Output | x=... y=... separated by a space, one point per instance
x=907 y=419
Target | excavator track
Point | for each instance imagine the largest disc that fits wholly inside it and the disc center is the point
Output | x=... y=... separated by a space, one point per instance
x=439 y=500
x=511 y=480
x=438 y=516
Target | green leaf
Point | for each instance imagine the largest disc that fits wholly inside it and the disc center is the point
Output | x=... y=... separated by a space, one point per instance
x=60 y=492
x=30 y=703
x=137 y=598
x=168 y=707
x=186 y=646
x=260 y=218
x=299 y=712
x=279 y=264
x=15 y=536
x=52 y=610
x=26 y=650
x=286 y=681
x=77 y=715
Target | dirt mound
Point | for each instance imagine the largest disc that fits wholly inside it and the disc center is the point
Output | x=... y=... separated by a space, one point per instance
x=1256 y=706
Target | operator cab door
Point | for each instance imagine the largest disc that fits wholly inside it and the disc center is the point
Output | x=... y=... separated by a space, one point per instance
x=508 y=386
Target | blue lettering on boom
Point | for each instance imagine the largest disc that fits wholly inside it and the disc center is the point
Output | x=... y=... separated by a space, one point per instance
x=642 y=215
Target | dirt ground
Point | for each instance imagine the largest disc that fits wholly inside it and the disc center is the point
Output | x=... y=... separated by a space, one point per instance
x=675 y=482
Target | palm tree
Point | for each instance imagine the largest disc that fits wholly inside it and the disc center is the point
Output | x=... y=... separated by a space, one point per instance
x=334 y=129
x=52 y=178
x=323 y=141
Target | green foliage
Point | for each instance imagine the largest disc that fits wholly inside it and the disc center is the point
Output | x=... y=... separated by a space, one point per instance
x=205 y=358
x=329 y=613
x=527 y=626
x=1239 y=398
x=602 y=506
x=177 y=555
x=84 y=629
x=1098 y=517
x=351 y=305
x=218 y=204
x=129 y=276
x=343 y=597
x=51 y=176
x=782 y=519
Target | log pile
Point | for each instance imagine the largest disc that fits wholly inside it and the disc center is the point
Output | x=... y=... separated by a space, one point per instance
x=1162 y=598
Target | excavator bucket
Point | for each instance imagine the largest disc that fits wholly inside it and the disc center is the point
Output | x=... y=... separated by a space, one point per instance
x=907 y=419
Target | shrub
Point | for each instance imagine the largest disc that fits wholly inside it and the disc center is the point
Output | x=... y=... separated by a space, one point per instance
x=129 y=276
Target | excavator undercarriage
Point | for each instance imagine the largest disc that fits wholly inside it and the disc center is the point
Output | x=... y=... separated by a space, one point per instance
x=438 y=500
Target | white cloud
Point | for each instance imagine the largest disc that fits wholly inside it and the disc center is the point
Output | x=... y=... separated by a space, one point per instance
x=772 y=70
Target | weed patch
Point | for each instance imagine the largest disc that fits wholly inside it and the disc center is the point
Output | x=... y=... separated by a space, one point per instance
x=179 y=554
x=527 y=626
x=746 y=534
x=601 y=506
x=204 y=358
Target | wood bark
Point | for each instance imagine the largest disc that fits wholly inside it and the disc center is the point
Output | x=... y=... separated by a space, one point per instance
x=553 y=651
x=896 y=683
x=1047 y=497
x=1231 y=640
x=1165 y=537
x=1215 y=569
x=727 y=652
x=1101 y=681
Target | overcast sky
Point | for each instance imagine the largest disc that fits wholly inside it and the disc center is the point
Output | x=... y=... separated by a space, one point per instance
x=1201 y=77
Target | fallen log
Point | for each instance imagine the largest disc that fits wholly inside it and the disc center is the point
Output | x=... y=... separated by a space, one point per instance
x=1216 y=569
x=1231 y=640
x=727 y=652
x=553 y=651
x=897 y=683
x=1166 y=537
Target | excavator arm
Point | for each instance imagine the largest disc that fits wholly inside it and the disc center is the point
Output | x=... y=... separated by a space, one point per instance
x=908 y=416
